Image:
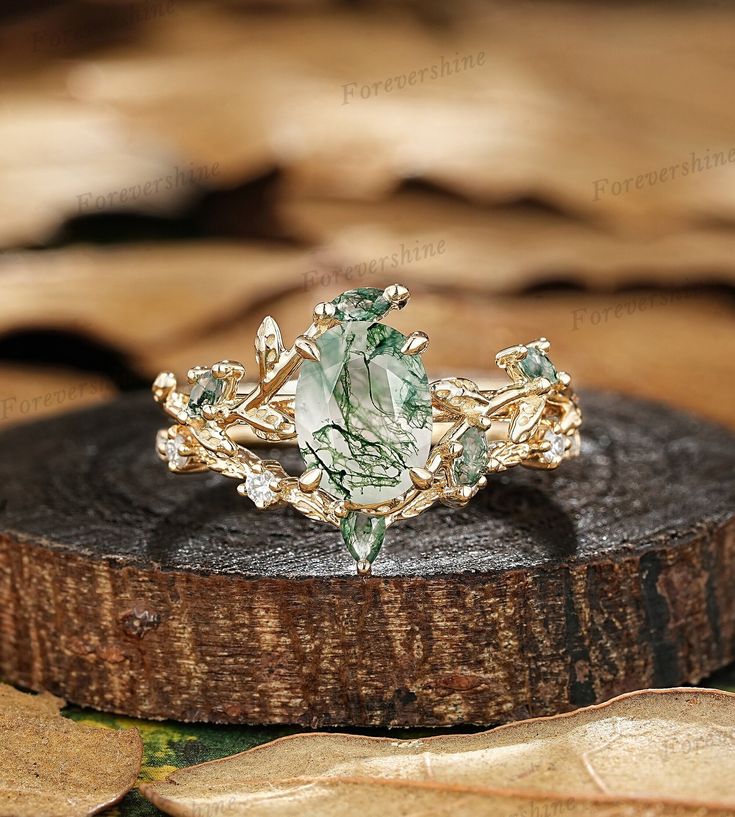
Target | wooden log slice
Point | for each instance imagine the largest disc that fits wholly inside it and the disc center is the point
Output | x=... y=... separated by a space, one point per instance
x=128 y=589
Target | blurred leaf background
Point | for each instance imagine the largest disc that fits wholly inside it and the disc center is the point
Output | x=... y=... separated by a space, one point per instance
x=173 y=170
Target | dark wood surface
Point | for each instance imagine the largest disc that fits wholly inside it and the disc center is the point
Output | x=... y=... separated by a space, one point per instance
x=132 y=590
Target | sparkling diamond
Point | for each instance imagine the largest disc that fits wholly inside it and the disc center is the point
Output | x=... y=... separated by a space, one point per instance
x=259 y=490
x=363 y=412
x=558 y=444
x=176 y=460
x=536 y=364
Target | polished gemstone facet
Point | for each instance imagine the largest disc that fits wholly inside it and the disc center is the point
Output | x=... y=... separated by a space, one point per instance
x=207 y=391
x=363 y=535
x=472 y=462
x=536 y=364
x=363 y=412
x=177 y=460
x=258 y=488
x=557 y=443
x=366 y=304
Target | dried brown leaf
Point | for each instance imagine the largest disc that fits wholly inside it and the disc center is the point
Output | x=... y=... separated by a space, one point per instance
x=169 y=307
x=53 y=767
x=63 y=159
x=32 y=392
x=431 y=239
x=654 y=752
x=135 y=297
x=550 y=110
x=42 y=704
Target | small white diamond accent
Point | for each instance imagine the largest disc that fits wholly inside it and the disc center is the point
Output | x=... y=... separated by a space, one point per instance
x=558 y=444
x=175 y=459
x=258 y=488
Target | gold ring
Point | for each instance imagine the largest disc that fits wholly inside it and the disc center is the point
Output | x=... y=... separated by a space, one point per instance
x=380 y=442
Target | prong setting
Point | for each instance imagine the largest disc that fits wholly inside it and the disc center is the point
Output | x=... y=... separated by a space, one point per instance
x=415 y=343
x=307 y=348
x=324 y=311
x=398 y=296
x=422 y=478
x=309 y=481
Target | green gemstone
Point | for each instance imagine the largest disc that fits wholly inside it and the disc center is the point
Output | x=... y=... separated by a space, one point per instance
x=367 y=304
x=207 y=391
x=536 y=364
x=363 y=412
x=363 y=535
x=472 y=463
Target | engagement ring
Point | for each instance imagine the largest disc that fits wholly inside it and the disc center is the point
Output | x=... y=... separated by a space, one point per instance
x=380 y=443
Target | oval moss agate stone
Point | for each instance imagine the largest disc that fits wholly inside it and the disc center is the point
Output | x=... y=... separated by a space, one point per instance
x=363 y=412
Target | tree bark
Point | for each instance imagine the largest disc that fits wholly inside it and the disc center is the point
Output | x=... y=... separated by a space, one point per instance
x=128 y=589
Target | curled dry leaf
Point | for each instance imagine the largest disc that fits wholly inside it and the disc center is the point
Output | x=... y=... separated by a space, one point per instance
x=428 y=239
x=53 y=767
x=493 y=107
x=503 y=102
x=654 y=752
x=618 y=326
x=63 y=159
x=139 y=297
x=39 y=391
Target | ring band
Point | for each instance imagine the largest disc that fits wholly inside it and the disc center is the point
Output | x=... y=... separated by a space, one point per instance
x=380 y=443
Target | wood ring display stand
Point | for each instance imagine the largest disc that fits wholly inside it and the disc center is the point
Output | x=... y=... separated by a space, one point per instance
x=128 y=589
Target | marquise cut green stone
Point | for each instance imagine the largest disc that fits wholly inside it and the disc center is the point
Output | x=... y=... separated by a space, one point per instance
x=207 y=391
x=472 y=462
x=363 y=412
x=536 y=364
x=366 y=304
x=363 y=535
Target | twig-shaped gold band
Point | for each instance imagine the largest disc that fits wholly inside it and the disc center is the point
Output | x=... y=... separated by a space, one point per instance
x=380 y=442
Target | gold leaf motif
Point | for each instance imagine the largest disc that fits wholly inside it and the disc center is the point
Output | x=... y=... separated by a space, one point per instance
x=268 y=345
x=526 y=417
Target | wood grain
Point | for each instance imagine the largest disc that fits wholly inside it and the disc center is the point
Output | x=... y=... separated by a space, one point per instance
x=126 y=588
